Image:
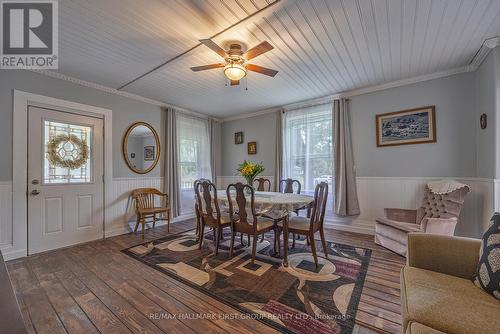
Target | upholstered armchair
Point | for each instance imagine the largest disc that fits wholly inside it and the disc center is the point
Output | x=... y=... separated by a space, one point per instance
x=437 y=214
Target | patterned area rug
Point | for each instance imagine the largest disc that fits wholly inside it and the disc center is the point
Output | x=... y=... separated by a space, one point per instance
x=299 y=298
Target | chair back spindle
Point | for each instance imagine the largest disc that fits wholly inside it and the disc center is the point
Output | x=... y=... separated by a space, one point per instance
x=206 y=195
x=286 y=186
x=245 y=221
x=319 y=206
x=263 y=184
x=145 y=197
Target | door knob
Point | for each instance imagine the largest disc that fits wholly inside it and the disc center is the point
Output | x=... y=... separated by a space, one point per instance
x=35 y=192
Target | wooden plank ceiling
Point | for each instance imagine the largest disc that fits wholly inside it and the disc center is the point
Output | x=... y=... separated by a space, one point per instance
x=321 y=47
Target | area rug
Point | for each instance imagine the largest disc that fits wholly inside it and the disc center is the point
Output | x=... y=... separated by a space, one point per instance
x=297 y=299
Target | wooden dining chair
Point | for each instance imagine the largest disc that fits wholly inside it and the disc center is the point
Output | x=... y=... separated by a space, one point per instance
x=309 y=226
x=197 y=205
x=263 y=184
x=210 y=214
x=245 y=222
x=286 y=186
x=146 y=207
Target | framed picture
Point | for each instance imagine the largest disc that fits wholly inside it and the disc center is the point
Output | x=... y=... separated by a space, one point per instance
x=238 y=137
x=252 y=147
x=413 y=126
x=149 y=153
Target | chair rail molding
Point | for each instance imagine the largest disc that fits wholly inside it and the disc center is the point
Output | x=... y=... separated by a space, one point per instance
x=224 y=181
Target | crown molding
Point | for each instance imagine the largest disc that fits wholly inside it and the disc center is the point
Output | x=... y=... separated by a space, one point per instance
x=407 y=81
x=114 y=91
x=483 y=52
x=357 y=92
x=252 y=114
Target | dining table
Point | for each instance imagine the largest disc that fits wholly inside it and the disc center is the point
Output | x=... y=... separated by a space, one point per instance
x=274 y=205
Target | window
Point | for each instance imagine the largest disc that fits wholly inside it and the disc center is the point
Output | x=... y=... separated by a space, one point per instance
x=67 y=153
x=308 y=145
x=193 y=142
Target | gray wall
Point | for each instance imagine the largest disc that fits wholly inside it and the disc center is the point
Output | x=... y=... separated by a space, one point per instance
x=496 y=54
x=135 y=145
x=452 y=155
x=261 y=129
x=486 y=103
x=125 y=112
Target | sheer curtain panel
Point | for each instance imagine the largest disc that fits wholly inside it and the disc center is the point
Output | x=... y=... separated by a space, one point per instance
x=307 y=147
x=194 y=156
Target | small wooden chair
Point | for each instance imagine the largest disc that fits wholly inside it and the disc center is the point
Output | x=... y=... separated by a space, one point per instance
x=249 y=223
x=145 y=207
x=309 y=226
x=262 y=182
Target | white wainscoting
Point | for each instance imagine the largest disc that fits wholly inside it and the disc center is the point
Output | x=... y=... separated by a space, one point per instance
x=121 y=211
x=118 y=212
x=497 y=195
x=224 y=181
x=377 y=193
x=5 y=214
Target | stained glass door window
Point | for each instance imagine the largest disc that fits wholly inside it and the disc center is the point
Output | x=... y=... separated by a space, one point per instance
x=67 y=153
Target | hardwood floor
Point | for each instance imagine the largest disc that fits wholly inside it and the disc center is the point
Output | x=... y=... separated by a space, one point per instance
x=94 y=288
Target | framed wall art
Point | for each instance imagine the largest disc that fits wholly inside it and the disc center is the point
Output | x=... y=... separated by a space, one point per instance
x=238 y=137
x=412 y=126
x=252 y=147
x=149 y=153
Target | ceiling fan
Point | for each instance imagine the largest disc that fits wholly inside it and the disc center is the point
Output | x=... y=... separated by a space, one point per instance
x=235 y=65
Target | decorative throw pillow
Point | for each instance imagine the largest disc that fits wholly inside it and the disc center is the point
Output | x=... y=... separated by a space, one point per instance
x=488 y=274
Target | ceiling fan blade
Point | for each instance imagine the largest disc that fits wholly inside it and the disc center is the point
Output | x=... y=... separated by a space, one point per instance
x=235 y=82
x=257 y=50
x=214 y=47
x=206 y=67
x=261 y=70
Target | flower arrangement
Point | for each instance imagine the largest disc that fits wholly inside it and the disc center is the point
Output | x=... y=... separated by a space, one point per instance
x=249 y=170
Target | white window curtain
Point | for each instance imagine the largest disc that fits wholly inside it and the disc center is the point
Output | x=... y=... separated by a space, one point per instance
x=308 y=147
x=193 y=147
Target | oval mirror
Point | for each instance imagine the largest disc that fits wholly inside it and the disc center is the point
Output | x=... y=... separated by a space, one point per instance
x=141 y=147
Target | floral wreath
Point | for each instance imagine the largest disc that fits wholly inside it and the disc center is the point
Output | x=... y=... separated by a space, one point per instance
x=55 y=158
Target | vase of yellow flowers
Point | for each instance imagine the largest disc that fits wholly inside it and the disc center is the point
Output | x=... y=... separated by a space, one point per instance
x=249 y=170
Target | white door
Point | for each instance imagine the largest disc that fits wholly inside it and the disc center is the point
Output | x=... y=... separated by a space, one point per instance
x=65 y=179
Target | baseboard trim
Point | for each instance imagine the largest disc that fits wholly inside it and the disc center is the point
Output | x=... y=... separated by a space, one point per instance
x=12 y=254
x=357 y=226
x=131 y=224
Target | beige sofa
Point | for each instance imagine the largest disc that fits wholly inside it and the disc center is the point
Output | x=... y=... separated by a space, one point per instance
x=437 y=293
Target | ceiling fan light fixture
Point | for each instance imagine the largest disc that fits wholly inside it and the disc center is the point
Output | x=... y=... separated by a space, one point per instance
x=234 y=71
